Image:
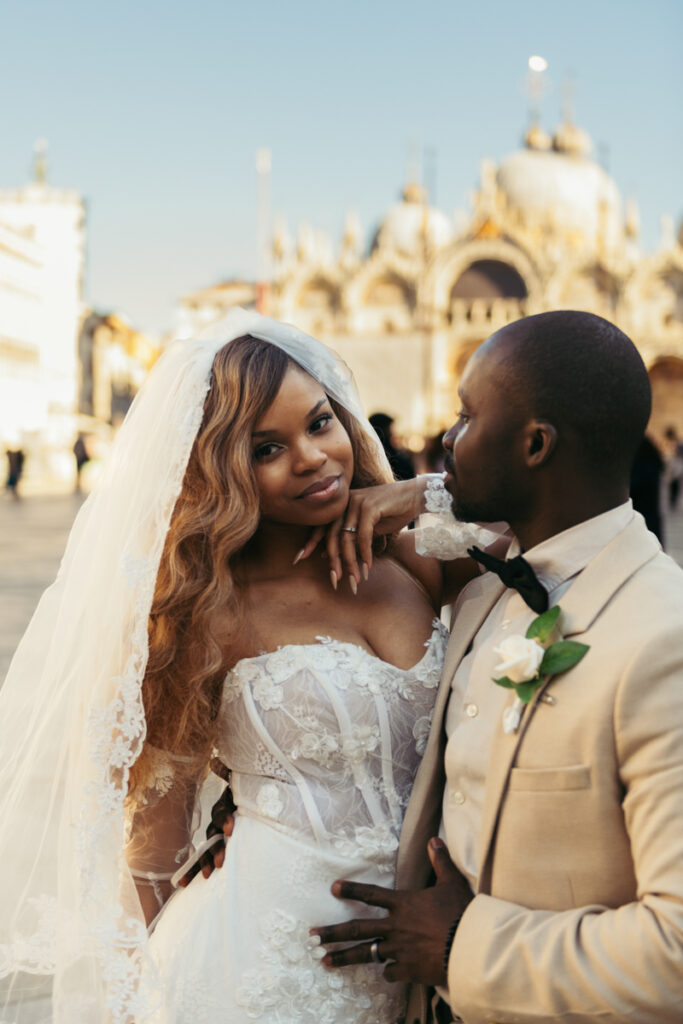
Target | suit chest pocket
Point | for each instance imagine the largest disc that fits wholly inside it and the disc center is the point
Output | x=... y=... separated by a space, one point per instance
x=549 y=780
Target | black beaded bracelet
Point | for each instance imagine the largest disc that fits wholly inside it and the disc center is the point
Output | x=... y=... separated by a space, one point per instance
x=449 y=941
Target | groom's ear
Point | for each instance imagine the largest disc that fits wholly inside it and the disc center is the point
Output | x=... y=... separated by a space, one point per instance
x=540 y=439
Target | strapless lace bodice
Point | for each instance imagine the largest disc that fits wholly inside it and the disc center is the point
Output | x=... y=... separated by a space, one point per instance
x=324 y=740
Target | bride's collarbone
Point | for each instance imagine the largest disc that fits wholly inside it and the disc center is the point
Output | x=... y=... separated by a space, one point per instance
x=388 y=589
x=388 y=616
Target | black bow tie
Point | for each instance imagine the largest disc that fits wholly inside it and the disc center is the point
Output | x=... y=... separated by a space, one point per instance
x=518 y=574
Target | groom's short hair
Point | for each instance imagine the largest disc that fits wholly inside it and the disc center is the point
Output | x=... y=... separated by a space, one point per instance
x=584 y=375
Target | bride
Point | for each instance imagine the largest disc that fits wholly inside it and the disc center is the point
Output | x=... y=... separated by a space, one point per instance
x=182 y=625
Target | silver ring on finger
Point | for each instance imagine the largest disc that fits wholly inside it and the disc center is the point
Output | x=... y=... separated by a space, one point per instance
x=374 y=953
x=350 y=529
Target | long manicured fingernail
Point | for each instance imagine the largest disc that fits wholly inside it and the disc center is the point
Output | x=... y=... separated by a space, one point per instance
x=299 y=556
x=333 y=578
x=366 y=572
x=353 y=585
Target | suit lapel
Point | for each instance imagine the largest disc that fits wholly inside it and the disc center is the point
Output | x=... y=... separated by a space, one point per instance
x=468 y=615
x=504 y=749
x=424 y=808
x=616 y=563
x=582 y=603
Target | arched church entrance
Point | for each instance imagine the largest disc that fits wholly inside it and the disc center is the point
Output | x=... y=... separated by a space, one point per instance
x=488 y=292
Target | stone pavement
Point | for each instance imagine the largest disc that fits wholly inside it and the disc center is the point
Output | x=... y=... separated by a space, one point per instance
x=33 y=533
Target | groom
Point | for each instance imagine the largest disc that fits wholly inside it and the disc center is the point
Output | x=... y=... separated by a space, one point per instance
x=558 y=880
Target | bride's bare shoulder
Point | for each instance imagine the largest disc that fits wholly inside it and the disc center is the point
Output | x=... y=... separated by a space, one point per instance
x=427 y=571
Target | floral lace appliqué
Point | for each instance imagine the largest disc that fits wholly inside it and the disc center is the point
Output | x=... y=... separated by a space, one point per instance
x=316 y=746
x=378 y=843
x=364 y=739
x=294 y=987
x=269 y=801
x=421 y=733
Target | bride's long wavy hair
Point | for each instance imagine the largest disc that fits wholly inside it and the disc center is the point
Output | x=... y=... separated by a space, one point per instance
x=216 y=514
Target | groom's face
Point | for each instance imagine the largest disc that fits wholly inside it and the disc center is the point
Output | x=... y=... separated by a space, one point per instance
x=484 y=447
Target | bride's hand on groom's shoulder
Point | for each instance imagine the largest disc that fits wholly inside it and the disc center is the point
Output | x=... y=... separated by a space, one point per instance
x=371 y=512
x=415 y=936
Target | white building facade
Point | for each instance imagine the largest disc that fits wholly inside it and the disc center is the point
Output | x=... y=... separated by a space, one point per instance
x=547 y=230
x=42 y=253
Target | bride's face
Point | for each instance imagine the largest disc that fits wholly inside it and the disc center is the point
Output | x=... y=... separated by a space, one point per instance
x=303 y=460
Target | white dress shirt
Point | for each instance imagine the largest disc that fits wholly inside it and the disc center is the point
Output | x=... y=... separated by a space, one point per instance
x=476 y=704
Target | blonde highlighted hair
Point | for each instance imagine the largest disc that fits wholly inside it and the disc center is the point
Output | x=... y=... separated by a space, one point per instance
x=216 y=514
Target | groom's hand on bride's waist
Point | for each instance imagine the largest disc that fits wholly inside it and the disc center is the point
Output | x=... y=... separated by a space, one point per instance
x=222 y=822
x=415 y=936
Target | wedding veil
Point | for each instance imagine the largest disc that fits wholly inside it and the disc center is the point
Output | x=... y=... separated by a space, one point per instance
x=71 y=713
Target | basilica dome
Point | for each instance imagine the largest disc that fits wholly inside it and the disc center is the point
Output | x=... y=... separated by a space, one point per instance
x=563 y=189
x=412 y=225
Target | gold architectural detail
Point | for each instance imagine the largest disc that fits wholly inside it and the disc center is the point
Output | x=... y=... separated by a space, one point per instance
x=546 y=231
x=488 y=229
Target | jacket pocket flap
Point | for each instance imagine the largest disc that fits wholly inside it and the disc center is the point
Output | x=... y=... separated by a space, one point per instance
x=575 y=776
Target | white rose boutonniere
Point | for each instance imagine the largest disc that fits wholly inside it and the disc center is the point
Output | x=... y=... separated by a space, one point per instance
x=521 y=658
x=528 y=661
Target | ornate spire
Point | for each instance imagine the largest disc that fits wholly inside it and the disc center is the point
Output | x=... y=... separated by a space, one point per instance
x=568 y=89
x=414 y=193
x=632 y=220
x=412 y=168
x=352 y=242
x=40 y=161
x=535 y=89
x=536 y=138
x=568 y=138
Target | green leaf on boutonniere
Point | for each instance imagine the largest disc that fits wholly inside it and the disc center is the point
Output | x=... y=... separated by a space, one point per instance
x=542 y=626
x=561 y=656
x=525 y=691
x=504 y=681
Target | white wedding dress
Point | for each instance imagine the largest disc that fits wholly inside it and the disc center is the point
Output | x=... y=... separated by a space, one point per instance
x=323 y=741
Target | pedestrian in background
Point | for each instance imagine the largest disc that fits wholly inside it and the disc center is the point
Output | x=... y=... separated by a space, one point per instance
x=673 y=465
x=399 y=459
x=646 y=485
x=15 y=468
x=82 y=457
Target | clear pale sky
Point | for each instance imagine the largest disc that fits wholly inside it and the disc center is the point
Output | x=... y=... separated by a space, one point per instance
x=155 y=110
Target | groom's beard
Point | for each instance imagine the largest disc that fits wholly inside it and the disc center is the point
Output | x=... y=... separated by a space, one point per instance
x=471 y=512
x=495 y=502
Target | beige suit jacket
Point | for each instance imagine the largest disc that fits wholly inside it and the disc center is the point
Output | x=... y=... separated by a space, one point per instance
x=579 y=909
